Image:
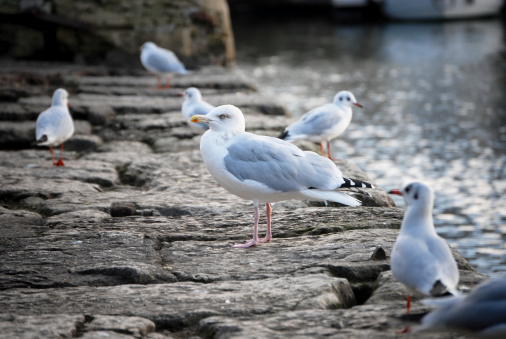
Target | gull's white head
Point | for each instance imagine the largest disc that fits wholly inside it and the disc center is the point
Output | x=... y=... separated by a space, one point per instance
x=192 y=94
x=225 y=118
x=147 y=45
x=346 y=99
x=60 y=97
x=416 y=194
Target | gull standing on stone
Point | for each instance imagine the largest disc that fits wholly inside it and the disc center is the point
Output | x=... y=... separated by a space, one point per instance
x=194 y=105
x=421 y=259
x=324 y=123
x=266 y=169
x=482 y=312
x=161 y=62
x=55 y=125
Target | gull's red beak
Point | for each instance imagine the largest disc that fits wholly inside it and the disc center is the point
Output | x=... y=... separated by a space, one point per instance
x=359 y=105
x=68 y=104
x=181 y=94
x=395 y=191
x=140 y=49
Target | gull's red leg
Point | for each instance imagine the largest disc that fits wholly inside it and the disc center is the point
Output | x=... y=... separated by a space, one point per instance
x=253 y=242
x=407 y=329
x=60 y=162
x=159 y=83
x=167 y=83
x=268 y=235
x=52 y=155
x=321 y=149
x=329 y=153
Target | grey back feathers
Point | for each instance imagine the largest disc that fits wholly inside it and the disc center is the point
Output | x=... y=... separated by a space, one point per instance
x=309 y=168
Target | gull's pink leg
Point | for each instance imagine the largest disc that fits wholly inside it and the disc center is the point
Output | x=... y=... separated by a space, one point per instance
x=60 y=162
x=328 y=152
x=268 y=235
x=159 y=83
x=253 y=242
x=52 y=155
x=321 y=149
x=167 y=83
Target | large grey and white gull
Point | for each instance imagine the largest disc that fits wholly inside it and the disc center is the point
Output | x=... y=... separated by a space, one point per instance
x=194 y=105
x=481 y=313
x=55 y=125
x=266 y=169
x=161 y=62
x=421 y=259
x=324 y=123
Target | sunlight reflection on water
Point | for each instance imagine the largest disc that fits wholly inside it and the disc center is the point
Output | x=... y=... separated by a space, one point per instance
x=434 y=110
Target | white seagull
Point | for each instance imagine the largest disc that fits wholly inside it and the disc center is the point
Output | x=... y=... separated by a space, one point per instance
x=161 y=62
x=324 y=123
x=266 y=169
x=55 y=125
x=194 y=105
x=482 y=312
x=421 y=259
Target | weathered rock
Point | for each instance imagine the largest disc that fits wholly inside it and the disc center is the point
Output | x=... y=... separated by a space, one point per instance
x=122 y=209
x=172 y=306
x=198 y=31
x=40 y=326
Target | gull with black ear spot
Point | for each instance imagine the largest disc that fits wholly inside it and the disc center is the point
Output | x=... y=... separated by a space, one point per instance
x=421 y=259
x=324 y=123
x=194 y=105
x=266 y=169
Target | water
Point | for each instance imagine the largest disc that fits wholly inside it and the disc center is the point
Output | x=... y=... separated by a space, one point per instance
x=434 y=97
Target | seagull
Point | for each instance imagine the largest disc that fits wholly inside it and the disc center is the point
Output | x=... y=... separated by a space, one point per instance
x=266 y=169
x=421 y=259
x=161 y=62
x=55 y=125
x=482 y=312
x=194 y=105
x=324 y=123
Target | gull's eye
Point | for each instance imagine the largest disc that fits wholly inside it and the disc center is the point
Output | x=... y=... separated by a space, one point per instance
x=348 y=98
x=407 y=189
x=340 y=98
x=223 y=116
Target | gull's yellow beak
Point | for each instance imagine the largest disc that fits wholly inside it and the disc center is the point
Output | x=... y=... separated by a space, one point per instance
x=199 y=118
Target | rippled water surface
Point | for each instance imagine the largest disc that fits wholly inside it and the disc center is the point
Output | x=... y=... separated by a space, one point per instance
x=434 y=97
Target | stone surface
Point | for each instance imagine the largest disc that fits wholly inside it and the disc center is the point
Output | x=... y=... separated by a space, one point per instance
x=132 y=237
x=199 y=32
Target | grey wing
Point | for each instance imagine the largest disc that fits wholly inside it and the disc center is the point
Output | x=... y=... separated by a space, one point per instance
x=163 y=60
x=439 y=248
x=484 y=308
x=279 y=165
x=316 y=121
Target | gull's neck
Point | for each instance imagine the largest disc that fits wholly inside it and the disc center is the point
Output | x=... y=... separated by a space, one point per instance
x=418 y=219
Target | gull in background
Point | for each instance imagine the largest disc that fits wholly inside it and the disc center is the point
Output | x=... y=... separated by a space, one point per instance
x=161 y=62
x=194 y=105
x=55 y=125
x=324 y=123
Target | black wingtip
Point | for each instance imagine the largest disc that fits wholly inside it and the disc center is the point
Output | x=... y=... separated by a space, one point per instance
x=283 y=135
x=355 y=183
x=42 y=139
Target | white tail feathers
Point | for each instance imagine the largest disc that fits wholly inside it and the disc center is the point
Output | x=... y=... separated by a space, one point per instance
x=332 y=196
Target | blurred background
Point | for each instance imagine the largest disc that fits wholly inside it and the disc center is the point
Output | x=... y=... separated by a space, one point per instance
x=433 y=89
